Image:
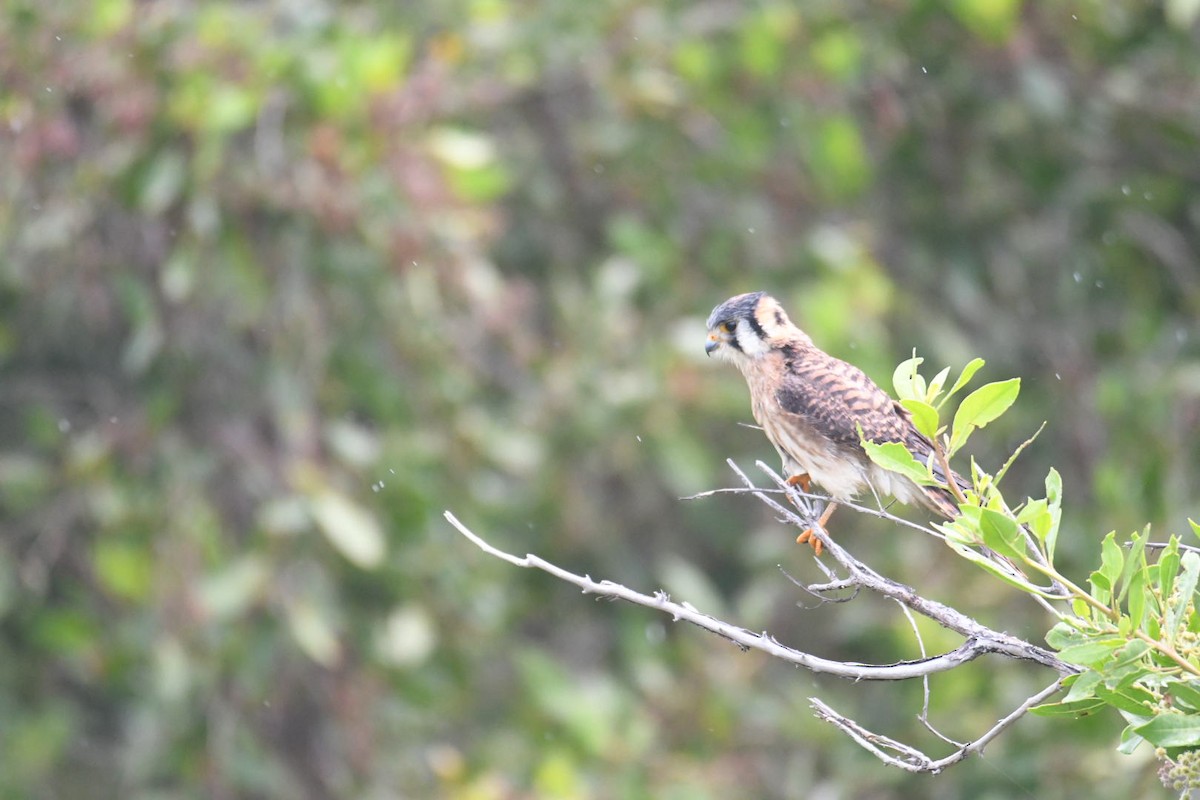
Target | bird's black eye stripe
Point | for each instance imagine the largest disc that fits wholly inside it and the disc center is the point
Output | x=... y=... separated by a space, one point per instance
x=756 y=326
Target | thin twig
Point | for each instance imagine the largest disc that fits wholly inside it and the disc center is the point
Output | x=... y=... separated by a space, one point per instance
x=944 y=462
x=923 y=717
x=792 y=491
x=822 y=590
x=913 y=760
x=1162 y=545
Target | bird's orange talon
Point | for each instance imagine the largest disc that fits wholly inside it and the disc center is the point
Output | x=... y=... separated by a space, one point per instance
x=810 y=538
x=803 y=480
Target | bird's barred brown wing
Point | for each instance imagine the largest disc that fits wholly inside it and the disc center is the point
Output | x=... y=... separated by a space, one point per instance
x=834 y=398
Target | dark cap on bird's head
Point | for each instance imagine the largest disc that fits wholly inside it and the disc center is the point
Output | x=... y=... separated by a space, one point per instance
x=735 y=308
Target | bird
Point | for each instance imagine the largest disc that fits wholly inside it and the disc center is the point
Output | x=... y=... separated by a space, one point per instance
x=812 y=407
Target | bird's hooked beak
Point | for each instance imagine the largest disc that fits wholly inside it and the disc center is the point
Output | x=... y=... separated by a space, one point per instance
x=714 y=341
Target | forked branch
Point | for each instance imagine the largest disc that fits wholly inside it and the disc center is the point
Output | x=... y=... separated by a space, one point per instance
x=978 y=638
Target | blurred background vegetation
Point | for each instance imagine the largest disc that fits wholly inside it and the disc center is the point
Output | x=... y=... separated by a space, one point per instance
x=282 y=280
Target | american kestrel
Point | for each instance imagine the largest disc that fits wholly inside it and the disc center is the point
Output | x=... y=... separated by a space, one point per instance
x=811 y=405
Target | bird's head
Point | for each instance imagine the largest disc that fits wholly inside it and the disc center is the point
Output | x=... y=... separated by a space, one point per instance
x=747 y=327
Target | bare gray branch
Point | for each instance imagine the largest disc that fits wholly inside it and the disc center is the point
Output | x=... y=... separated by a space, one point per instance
x=978 y=638
x=660 y=601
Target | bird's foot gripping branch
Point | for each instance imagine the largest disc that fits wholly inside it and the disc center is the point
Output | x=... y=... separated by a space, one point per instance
x=1133 y=631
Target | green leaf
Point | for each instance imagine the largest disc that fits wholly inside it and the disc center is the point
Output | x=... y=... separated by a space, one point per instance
x=1172 y=730
x=924 y=416
x=958 y=532
x=1054 y=501
x=1152 y=624
x=1101 y=587
x=1177 y=603
x=904 y=379
x=935 y=386
x=1064 y=635
x=1138 y=597
x=1195 y=527
x=1111 y=558
x=1187 y=692
x=1135 y=561
x=1090 y=653
x=895 y=457
x=1168 y=568
x=1127 y=675
x=1136 y=693
x=982 y=480
x=1129 y=654
x=986 y=564
x=982 y=406
x=1036 y=515
x=1131 y=700
x=1129 y=741
x=1053 y=488
x=1001 y=533
x=963 y=379
x=1081 y=708
x=1084 y=686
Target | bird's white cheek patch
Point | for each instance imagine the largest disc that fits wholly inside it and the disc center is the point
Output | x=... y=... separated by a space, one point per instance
x=748 y=340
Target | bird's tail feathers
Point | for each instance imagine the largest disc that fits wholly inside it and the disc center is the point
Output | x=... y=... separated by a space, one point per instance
x=942 y=500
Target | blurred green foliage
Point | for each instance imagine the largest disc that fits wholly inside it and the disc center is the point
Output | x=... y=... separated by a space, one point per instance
x=281 y=281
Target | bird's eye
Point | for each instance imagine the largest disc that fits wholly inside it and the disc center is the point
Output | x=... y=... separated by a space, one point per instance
x=729 y=326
